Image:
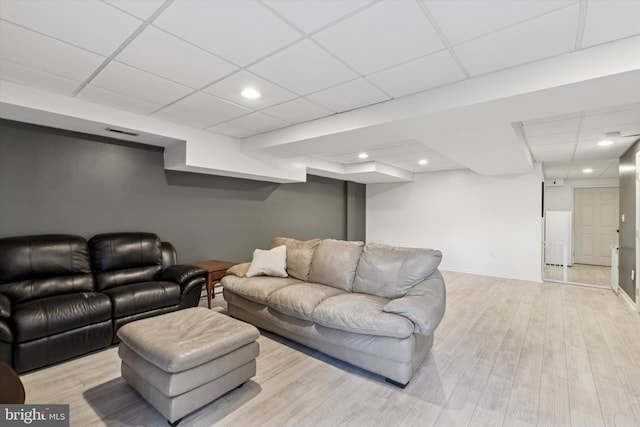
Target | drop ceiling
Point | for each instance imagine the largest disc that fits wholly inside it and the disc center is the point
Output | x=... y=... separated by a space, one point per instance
x=492 y=86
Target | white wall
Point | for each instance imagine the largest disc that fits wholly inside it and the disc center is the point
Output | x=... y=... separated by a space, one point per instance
x=483 y=225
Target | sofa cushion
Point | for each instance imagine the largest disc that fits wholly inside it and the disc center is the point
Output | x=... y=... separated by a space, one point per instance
x=48 y=316
x=256 y=289
x=141 y=297
x=390 y=272
x=269 y=263
x=299 y=255
x=301 y=299
x=361 y=314
x=334 y=263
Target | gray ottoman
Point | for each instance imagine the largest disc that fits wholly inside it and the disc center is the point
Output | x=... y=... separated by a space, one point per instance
x=183 y=360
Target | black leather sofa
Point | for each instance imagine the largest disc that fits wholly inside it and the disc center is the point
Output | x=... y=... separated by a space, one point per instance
x=61 y=296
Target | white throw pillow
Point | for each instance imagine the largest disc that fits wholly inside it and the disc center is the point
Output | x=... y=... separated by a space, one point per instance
x=269 y=263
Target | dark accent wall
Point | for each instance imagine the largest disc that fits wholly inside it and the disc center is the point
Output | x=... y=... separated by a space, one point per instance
x=628 y=206
x=356 y=210
x=55 y=181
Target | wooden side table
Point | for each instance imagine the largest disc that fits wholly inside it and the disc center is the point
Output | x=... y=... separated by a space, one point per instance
x=12 y=390
x=215 y=271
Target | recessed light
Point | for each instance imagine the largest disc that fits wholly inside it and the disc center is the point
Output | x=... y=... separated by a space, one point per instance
x=423 y=162
x=250 y=93
x=587 y=170
x=363 y=155
x=605 y=142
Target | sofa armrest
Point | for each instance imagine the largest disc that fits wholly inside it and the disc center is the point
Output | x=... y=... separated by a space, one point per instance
x=184 y=275
x=5 y=307
x=424 y=304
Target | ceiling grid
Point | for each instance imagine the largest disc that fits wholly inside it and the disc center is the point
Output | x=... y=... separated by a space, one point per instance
x=324 y=64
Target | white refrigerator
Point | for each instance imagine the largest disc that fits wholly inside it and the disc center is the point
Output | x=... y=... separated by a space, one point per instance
x=557 y=237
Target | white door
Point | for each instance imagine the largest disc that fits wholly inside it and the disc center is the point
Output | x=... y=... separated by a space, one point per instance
x=596 y=224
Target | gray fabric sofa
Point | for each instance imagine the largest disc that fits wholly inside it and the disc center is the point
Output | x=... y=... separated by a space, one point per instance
x=374 y=306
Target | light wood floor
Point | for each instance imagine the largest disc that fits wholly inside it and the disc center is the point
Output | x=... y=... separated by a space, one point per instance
x=583 y=273
x=508 y=353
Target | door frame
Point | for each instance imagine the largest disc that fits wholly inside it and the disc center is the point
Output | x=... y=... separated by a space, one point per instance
x=637 y=230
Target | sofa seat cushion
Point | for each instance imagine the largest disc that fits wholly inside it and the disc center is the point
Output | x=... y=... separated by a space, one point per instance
x=301 y=299
x=361 y=314
x=140 y=297
x=256 y=289
x=48 y=316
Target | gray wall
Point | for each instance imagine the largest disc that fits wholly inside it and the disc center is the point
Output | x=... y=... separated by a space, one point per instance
x=54 y=181
x=627 y=229
x=356 y=211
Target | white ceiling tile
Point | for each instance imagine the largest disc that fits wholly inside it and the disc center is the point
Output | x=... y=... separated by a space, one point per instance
x=210 y=109
x=89 y=24
x=231 y=130
x=381 y=36
x=139 y=8
x=117 y=100
x=551 y=119
x=415 y=167
x=613 y=171
x=421 y=74
x=599 y=167
x=401 y=150
x=535 y=39
x=552 y=127
x=555 y=171
x=298 y=110
x=151 y=50
x=601 y=163
x=230 y=88
x=181 y=117
x=403 y=154
x=464 y=20
x=608 y=119
x=627 y=132
x=239 y=31
x=303 y=68
x=614 y=109
x=127 y=80
x=311 y=15
x=43 y=53
x=556 y=152
x=590 y=149
x=259 y=122
x=552 y=139
x=591 y=134
x=347 y=96
x=588 y=152
x=610 y=20
x=17 y=73
x=411 y=150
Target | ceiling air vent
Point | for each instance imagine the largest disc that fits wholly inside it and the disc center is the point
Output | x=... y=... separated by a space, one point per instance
x=122 y=132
